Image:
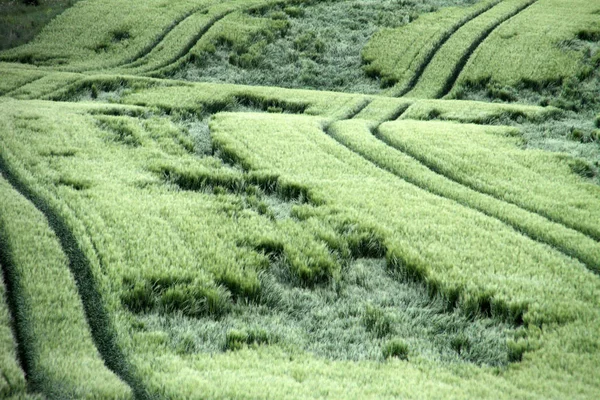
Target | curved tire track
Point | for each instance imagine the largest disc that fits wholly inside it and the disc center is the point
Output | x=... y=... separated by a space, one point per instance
x=595 y=268
x=133 y=62
x=458 y=68
x=103 y=333
x=156 y=71
x=447 y=35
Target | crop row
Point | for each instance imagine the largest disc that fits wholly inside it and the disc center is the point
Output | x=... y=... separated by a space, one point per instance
x=478 y=112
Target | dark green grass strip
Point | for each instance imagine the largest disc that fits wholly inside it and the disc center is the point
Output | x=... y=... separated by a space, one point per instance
x=474 y=46
x=100 y=326
x=15 y=304
x=133 y=62
x=185 y=51
x=413 y=81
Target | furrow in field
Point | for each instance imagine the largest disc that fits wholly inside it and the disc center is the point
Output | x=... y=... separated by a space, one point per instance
x=436 y=47
x=439 y=72
x=136 y=60
x=358 y=109
x=363 y=139
x=21 y=85
x=462 y=62
x=15 y=366
x=467 y=159
x=183 y=53
x=98 y=320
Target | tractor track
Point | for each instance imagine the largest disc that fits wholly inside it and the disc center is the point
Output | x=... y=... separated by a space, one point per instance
x=185 y=51
x=446 y=36
x=462 y=62
x=103 y=333
x=595 y=268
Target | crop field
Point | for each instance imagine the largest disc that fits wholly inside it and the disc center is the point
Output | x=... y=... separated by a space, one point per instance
x=300 y=199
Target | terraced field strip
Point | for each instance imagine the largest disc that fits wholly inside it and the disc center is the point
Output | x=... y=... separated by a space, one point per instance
x=362 y=138
x=481 y=159
x=440 y=74
x=415 y=44
x=537 y=32
x=57 y=350
x=210 y=97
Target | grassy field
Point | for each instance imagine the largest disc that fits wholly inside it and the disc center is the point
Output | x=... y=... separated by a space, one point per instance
x=300 y=199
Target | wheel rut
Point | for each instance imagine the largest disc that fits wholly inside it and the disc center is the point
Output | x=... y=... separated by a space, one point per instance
x=459 y=67
x=522 y=230
x=447 y=35
x=185 y=51
x=103 y=333
x=135 y=61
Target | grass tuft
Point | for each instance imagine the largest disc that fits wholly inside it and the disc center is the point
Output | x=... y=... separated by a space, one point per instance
x=395 y=348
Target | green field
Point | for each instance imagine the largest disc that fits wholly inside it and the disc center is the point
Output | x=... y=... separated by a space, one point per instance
x=300 y=199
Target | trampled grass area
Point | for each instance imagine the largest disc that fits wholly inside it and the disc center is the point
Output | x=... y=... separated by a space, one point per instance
x=164 y=238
